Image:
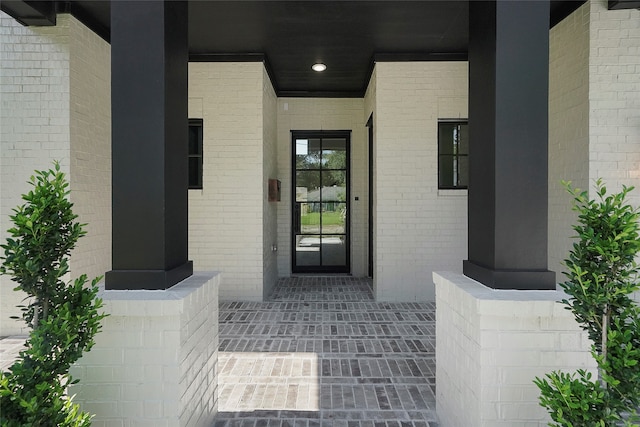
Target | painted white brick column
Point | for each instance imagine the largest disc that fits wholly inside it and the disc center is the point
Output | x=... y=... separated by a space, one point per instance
x=491 y=344
x=155 y=361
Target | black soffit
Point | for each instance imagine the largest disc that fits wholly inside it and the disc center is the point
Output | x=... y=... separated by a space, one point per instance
x=290 y=36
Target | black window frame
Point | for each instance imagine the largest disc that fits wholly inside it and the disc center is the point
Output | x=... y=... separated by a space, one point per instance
x=199 y=155
x=454 y=154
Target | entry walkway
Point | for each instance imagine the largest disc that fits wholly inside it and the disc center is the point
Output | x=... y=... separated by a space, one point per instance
x=323 y=353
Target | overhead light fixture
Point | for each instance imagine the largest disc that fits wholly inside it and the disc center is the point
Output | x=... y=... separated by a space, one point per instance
x=319 y=67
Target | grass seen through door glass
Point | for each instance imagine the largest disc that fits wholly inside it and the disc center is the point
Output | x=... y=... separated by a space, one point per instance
x=328 y=218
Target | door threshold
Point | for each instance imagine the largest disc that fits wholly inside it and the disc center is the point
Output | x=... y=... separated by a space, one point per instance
x=321 y=275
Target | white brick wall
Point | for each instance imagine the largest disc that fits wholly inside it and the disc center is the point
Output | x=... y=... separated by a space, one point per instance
x=324 y=114
x=418 y=229
x=90 y=136
x=34 y=122
x=491 y=344
x=614 y=96
x=155 y=361
x=226 y=216
x=568 y=127
x=594 y=111
x=270 y=171
x=54 y=89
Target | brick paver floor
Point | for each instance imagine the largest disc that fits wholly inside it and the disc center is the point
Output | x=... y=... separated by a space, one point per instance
x=323 y=353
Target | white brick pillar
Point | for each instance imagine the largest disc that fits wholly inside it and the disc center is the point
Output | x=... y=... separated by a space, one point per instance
x=491 y=344
x=155 y=361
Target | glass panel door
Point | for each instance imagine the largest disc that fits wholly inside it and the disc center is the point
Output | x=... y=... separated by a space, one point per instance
x=321 y=202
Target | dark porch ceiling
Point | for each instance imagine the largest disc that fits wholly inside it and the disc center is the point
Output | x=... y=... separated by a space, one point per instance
x=290 y=36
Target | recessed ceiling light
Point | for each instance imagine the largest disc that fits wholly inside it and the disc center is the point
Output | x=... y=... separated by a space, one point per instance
x=318 y=67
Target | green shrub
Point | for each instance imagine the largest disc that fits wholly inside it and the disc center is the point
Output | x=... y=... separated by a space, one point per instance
x=602 y=274
x=64 y=316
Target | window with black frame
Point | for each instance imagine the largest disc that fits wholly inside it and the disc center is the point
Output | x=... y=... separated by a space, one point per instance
x=453 y=154
x=195 y=154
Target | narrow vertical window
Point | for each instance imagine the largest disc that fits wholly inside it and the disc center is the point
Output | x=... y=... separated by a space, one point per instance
x=195 y=154
x=453 y=154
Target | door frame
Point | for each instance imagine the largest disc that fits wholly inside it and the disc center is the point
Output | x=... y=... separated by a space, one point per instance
x=301 y=134
x=370 y=266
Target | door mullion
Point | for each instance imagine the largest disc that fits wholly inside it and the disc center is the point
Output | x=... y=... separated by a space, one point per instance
x=320 y=198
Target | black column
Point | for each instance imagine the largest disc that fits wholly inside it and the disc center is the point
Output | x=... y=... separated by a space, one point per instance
x=149 y=75
x=508 y=135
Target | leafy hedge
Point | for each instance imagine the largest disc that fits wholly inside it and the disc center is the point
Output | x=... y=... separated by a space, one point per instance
x=64 y=316
x=602 y=275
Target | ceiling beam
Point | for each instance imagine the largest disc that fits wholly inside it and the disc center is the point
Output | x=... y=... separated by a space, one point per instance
x=624 y=4
x=41 y=13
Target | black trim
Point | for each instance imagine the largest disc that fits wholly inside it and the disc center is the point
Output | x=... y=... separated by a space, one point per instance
x=451 y=187
x=623 y=4
x=510 y=279
x=318 y=94
x=148 y=279
x=408 y=57
x=198 y=155
x=27 y=13
x=378 y=57
x=227 y=57
x=370 y=160
x=367 y=80
x=239 y=57
x=87 y=17
x=561 y=9
x=420 y=57
x=296 y=134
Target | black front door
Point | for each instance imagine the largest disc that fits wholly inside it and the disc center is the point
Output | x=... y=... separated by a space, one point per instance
x=320 y=201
